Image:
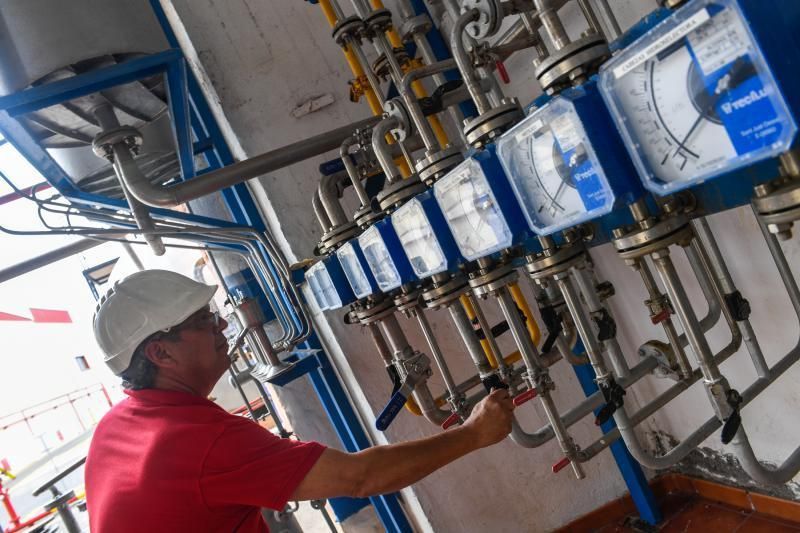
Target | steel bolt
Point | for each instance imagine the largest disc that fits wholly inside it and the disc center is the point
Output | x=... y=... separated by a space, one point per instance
x=763 y=190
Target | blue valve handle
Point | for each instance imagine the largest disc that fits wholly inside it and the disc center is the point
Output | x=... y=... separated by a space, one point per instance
x=391 y=410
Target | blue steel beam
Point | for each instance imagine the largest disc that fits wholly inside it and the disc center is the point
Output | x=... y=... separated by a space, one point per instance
x=639 y=489
x=59 y=91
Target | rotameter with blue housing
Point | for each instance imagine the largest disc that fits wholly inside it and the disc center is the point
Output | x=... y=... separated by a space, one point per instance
x=385 y=256
x=329 y=284
x=566 y=162
x=425 y=237
x=708 y=90
x=356 y=269
x=316 y=289
x=479 y=206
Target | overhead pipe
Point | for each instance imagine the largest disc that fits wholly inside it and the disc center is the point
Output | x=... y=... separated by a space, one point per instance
x=48 y=258
x=185 y=191
x=122 y=161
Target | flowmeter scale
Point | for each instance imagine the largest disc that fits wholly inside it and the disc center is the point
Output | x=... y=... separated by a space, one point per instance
x=352 y=261
x=553 y=169
x=479 y=206
x=694 y=97
x=385 y=256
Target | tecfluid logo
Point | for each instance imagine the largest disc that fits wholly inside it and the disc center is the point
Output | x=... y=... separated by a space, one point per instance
x=744 y=101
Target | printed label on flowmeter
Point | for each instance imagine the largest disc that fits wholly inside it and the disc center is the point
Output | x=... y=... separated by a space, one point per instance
x=678 y=32
x=719 y=42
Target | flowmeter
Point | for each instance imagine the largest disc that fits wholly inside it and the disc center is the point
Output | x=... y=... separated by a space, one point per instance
x=356 y=270
x=329 y=284
x=566 y=163
x=425 y=237
x=385 y=256
x=695 y=98
x=479 y=206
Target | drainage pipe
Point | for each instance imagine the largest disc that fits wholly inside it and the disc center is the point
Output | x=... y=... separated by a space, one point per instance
x=712 y=256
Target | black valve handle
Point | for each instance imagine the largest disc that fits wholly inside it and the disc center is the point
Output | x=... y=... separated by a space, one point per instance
x=734 y=421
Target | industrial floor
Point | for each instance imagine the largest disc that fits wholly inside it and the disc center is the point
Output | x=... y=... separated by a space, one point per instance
x=690 y=513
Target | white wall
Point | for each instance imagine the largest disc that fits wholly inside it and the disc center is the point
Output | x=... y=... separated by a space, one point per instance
x=264 y=58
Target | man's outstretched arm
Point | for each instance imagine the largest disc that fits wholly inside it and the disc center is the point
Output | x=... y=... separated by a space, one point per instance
x=384 y=469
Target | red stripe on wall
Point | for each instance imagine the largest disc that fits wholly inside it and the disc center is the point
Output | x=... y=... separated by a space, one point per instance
x=51 y=316
x=13 y=318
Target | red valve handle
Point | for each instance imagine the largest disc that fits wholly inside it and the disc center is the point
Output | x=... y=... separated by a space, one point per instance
x=451 y=421
x=660 y=317
x=501 y=70
x=521 y=398
x=561 y=464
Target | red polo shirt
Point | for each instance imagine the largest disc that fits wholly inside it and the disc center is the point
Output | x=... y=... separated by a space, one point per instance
x=171 y=461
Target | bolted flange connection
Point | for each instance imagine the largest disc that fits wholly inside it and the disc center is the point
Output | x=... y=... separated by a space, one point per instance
x=103 y=143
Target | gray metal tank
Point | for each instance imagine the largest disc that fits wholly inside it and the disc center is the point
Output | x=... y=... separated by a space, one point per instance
x=47 y=40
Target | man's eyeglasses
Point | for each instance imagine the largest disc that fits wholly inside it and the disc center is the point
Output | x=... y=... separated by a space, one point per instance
x=201 y=320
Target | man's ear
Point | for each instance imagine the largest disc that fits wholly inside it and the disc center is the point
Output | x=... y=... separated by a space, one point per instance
x=156 y=353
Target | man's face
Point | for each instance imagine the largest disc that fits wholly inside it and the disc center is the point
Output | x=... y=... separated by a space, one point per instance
x=200 y=349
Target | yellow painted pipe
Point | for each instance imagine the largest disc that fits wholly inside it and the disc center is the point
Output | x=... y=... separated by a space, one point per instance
x=530 y=321
x=358 y=71
x=466 y=303
x=416 y=86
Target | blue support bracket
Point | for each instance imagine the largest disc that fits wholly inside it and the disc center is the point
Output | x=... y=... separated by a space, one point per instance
x=639 y=489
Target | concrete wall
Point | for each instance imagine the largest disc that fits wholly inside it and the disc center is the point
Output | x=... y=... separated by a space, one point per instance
x=266 y=58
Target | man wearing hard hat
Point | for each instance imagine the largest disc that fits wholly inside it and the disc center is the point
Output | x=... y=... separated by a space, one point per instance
x=168 y=459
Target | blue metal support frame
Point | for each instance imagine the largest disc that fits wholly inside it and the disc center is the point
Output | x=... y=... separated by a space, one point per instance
x=639 y=489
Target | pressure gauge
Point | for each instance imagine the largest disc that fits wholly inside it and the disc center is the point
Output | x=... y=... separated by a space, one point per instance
x=471 y=209
x=694 y=97
x=553 y=169
x=350 y=258
x=419 y=239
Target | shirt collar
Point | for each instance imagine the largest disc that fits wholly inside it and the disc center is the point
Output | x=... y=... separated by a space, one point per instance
x=168 y=397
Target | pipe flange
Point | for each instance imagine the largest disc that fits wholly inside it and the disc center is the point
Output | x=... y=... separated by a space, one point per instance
x=445 y=294
x=103 y=141
x=396 y=194
x=781 y=206
x=381 y=65
x=486 y=127
x=489 y=19
x=337 y=236
x=417 y=25
x=378 y=22
x=640 y=242
x=373 y=312
x=434 y=166
x=395 y=108
x=543 y=265
x=490 y=282
x=407 y=301
x=348 y=29
x=579 y=56
x=364 y=217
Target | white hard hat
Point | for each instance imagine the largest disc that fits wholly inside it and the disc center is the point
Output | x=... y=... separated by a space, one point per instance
x=140 y=305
